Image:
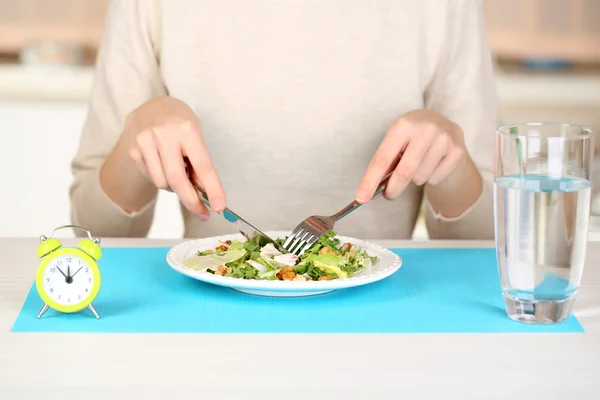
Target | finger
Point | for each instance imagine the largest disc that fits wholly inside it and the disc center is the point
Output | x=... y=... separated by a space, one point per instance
x=383 y=162
x=431 y=160
x=173 y=165
x=137 y=157
x=446 y=166
x=195 y=149
x=147 y=148
x=408 y=165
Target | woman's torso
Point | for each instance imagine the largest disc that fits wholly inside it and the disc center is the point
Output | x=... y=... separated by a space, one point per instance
x=295 y=97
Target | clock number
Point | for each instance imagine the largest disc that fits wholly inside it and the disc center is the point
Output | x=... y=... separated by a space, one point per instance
x=59 y=262
x=69 y=300
x=69 y=259
x=86 y=289
x=86 y=270
x=78 y=297
x=52 y=269
x=89 y=279
x=51 y=290
x=47 y=279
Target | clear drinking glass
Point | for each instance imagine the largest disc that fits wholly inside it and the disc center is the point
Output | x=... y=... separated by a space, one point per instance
x=542 y=205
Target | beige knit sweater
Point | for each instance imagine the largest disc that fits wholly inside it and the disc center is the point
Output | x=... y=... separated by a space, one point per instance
x=294 y=97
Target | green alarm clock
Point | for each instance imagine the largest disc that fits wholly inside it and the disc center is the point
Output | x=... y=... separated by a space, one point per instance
x=68 y=278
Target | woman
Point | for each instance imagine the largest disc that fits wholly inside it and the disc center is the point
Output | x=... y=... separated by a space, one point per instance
x=288 y=109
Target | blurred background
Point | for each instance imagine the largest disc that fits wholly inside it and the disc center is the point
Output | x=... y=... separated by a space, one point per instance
x=548 y=68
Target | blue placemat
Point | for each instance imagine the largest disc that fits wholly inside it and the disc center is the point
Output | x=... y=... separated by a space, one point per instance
x=435 y=291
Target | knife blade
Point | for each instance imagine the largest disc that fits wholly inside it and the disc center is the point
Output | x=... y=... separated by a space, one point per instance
x=249 y=231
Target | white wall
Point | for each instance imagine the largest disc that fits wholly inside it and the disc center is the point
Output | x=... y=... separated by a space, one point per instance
x=39 y=139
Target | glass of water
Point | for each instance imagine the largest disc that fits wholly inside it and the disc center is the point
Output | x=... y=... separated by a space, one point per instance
x=542 y=185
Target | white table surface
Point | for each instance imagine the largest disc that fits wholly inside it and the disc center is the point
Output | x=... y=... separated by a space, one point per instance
x=207 y=366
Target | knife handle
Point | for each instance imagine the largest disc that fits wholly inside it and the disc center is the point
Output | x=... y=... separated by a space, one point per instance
x=204 y=196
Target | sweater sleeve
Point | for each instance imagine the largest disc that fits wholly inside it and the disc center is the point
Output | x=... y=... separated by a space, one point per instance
x=127 y=75
x=463 y=90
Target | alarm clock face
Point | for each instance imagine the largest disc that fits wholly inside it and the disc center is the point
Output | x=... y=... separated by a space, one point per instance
x=68 y=279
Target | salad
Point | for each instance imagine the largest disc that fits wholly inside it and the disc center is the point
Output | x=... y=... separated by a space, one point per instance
x=258 y=259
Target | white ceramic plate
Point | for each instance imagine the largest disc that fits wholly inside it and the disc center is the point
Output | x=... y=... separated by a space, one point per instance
x=387 y=263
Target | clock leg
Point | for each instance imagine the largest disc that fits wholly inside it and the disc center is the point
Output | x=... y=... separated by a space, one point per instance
x=92 y=309
x=43 y=310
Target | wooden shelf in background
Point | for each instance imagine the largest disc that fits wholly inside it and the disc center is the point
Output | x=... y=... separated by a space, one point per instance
x=78 y=22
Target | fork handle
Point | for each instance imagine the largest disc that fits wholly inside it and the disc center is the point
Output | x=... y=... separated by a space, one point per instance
x=355 y=204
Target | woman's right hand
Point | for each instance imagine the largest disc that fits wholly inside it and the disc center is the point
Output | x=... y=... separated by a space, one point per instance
x=159 y=134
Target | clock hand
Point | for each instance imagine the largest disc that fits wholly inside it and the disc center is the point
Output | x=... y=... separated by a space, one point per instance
x=63 y=274
x=76 y=272
x=69 y=278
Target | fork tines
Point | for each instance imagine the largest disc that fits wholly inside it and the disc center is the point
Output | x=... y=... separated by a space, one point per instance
x=300 y=240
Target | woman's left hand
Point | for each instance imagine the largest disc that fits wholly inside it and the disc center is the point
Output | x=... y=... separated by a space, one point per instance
x=420 y=147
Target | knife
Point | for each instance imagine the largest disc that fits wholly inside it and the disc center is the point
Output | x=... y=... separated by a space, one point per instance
x=244 y=227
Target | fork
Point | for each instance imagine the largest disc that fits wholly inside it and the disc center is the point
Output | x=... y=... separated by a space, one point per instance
x=312 y=228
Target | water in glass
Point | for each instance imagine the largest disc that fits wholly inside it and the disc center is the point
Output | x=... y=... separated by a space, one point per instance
x=542 y=203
